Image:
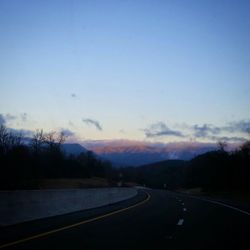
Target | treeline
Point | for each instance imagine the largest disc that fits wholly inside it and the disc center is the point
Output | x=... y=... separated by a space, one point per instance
x=221 y=170
x=23 y=164
x=167 y=174
x=215 y=171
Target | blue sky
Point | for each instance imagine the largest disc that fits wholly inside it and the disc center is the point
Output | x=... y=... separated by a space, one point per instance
x=140 y=70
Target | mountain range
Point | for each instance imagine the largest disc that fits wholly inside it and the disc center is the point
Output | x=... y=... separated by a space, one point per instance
x=73 y=148
x=134 y=153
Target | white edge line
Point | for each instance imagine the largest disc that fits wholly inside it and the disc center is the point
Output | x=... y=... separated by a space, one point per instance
x=219 y=203
x=225 y=205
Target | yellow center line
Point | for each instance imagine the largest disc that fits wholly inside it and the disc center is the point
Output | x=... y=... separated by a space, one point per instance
x=75 y=225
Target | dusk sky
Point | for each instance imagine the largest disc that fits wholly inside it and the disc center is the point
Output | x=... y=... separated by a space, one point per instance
x=141 y=70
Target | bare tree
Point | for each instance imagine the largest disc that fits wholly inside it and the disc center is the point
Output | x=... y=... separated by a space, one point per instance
x=9 y=140
x=51 y=141
x=38 y=141
x=222 y=145
x=54 y=140
x=3 y=138
x=15 y=140
x=61 y=138
x=245 y=148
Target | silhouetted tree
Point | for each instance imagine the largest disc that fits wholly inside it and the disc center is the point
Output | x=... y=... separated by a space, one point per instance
x=8 y=139
x=38 y=141
x=222 y=145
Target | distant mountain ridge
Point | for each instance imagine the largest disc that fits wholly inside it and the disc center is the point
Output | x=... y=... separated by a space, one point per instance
x=133 y=153
x=73 y=148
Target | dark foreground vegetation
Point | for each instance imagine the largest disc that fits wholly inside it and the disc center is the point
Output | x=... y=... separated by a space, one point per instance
x=26 y=165
x=23 y=164
x=215 y=171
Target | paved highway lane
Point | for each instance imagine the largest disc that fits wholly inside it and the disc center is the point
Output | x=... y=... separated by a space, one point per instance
x=160 y=220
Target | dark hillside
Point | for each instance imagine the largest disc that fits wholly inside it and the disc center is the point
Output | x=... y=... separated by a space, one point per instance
x=168 y=174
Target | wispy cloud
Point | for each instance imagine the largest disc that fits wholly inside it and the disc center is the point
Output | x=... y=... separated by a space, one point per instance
x=2 y=120
x=91 y=122
x=232 y=132
x=67 y=132
x=160 y=129
x=10 y=117
x=71 y=124
x=242 y=126
x=202 y=131
x=227 y=138
x=6 y=118
x=24 y=117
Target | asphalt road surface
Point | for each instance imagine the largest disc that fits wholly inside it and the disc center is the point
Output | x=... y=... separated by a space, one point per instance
x=155 y=219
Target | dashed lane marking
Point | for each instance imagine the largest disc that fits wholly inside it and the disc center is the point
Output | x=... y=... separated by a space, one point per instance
x=180 y=222
x=221 y=204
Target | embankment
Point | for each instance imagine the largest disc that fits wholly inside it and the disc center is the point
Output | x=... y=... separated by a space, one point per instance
x=25 y=205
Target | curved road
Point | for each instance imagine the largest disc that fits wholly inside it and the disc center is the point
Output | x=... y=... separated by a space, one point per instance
x=156 y=219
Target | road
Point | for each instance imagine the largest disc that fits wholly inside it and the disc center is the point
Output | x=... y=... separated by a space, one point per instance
x=154 y=220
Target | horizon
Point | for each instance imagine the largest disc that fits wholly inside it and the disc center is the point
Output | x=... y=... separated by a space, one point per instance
x=154 y=72
x=124 y=124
